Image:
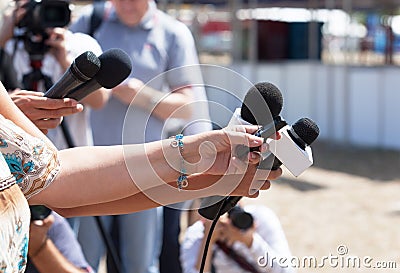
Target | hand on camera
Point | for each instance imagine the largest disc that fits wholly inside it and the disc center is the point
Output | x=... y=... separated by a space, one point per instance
x=11 y=16
x=227 y=233
x=56 y=42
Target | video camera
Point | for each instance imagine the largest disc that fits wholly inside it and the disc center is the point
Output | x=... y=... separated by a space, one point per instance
x=42 y=14
x=240 y=218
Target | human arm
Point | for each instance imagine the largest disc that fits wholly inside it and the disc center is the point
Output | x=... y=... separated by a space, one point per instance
x=181 y=74
x=88 y=174
x=43 y=252
x=10 y=16
x=199 y=186
x=175 y=104
x=88 y=171
x=58 y=42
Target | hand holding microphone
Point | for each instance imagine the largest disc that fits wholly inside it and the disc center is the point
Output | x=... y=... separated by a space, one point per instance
x=261 y=106
x=292 y=149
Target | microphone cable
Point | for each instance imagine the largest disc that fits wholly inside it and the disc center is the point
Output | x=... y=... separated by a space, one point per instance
x=210 y=232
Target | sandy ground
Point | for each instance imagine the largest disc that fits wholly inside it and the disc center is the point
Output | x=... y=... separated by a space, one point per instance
x=348 y=201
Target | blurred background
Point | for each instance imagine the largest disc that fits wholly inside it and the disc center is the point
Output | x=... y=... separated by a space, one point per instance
x=338 y=63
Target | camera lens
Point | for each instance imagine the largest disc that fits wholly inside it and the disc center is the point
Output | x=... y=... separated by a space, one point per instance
x=52 y=14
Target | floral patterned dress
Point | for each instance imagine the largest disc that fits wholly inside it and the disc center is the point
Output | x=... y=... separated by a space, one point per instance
x=27 y=166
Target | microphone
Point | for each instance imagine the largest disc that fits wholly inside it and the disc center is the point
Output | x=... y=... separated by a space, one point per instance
x=116 y=66
x=82 y=69
x=261 y=106
x=293 y=148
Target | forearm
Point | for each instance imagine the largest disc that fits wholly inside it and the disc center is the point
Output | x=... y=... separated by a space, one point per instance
x=200 y=185
x=150 y=198
x=97 y=99
x=98 y=174
x=49 y=260
x=177 y=104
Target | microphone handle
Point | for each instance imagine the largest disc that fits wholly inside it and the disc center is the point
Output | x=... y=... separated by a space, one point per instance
x=210 y=212
x=264 y=132
x=271 y=162
x=84 y=89
x=67 y=82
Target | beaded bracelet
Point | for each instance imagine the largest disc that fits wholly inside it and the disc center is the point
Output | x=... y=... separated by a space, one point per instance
x=182 y=181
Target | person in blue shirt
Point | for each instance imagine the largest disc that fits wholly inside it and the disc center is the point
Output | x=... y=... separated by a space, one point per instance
x=53 y=247
x=162 y=86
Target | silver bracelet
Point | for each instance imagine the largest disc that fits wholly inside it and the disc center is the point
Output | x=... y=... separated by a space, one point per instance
x=182 y=181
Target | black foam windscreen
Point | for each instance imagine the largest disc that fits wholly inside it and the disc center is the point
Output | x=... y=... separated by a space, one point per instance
x=262 y=103
x=87 y=64
x=116 y=65
x=306 y=129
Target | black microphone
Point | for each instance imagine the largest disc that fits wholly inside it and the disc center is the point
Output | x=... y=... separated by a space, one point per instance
x=116 y=66
x=261 y=106
x=292 y=150
x=82 y=69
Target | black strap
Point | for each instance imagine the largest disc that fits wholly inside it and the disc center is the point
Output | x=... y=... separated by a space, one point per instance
x=241 y=261
x=97 y=17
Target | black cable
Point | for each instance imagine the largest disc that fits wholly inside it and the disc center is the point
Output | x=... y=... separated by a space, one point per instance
x=213 y=224
x=109 y=244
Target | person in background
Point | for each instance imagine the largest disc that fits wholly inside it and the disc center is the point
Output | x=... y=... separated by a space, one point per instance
x=239 y=239
x=157 y=44
x=8 y=76
x=53 y=246
x=54 y=48
x=63 y=48
x=45 y=113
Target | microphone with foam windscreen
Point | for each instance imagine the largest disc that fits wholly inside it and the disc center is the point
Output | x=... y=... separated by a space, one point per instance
x=261 y=105
x=293 y=148
x=82 y=69
x=116 y=66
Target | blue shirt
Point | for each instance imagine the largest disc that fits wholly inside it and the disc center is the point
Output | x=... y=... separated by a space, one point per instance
x=157 y=44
